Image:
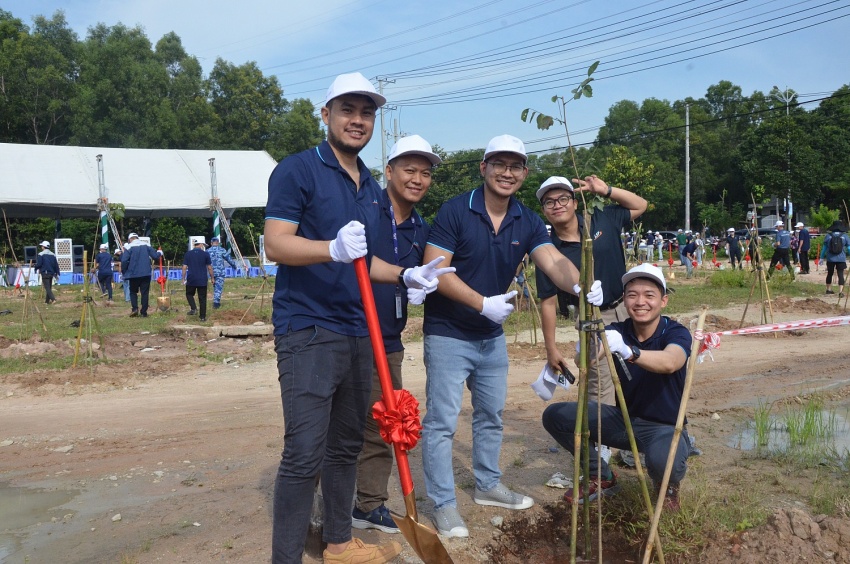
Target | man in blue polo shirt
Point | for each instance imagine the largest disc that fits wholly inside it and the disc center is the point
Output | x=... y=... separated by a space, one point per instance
x=485 y=234
x=196 y=266
x=657 y=350
x=402 y=235
x=805 y=242
x=781 y=250
x=323 y=212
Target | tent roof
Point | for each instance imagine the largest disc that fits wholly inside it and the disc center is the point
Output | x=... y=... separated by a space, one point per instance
x=54 y=181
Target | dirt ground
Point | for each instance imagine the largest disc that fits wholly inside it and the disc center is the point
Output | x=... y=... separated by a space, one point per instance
x=172 y=459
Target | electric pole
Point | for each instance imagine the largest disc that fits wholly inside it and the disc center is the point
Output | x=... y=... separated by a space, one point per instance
x=687 y=167
x=381 y=81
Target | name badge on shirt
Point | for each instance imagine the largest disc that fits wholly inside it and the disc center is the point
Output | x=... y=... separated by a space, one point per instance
x=397 y=302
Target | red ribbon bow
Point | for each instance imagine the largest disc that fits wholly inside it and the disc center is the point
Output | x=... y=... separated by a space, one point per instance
x=400 y=426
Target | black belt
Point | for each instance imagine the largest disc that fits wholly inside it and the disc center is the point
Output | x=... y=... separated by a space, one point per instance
x=612 y=305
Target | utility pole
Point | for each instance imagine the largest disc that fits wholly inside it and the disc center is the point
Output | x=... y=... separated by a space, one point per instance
x=687 y=167
x=381 y=81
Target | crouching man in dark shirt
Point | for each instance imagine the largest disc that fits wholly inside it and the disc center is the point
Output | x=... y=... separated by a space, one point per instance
x=656 y=349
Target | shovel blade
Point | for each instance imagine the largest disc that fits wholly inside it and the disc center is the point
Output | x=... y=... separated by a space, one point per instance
x=422 y=538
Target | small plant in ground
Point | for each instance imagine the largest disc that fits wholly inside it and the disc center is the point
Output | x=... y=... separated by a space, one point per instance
x=763 y=425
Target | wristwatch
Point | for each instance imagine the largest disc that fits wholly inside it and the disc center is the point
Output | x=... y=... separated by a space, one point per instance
x=401 y=279
x=635 y=354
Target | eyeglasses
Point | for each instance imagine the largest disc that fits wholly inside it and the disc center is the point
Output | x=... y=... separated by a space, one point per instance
x=500 y=167
x=562 y=201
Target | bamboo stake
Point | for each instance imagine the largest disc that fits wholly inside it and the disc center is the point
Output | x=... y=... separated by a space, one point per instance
x=674 y=444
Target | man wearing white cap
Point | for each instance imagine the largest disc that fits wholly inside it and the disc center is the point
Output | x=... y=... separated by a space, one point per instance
x=323 y=212
x=804 y=239
x=47 y=265
x=559 y=201
x=103 y=263
x=136 y=267
x=733 y=249
x=401 y=239
x=485 y=234
x=656 y=349
x=781 y=250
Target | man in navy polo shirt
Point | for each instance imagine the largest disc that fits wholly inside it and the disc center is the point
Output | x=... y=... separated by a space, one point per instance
x=485 y=234
x=559 y=201
x=402 y=235
x=323 y=212
x=197 y=272
x=657 y=349
x=781 y=250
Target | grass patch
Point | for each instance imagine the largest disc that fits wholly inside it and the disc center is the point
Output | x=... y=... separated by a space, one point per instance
x=705 y=510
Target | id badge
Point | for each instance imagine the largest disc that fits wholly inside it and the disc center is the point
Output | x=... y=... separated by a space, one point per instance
x=397 y=302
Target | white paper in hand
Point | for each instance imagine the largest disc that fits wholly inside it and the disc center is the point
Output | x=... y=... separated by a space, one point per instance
x=542 y=386
x=556 y=378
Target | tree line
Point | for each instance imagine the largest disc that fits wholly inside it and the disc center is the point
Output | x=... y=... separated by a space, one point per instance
x=114 y=88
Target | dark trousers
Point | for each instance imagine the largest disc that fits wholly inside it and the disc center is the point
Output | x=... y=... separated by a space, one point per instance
x=105 y=281
x=376 y=459
x=325 y=380
x=835 y=266
x=780 y=256
x=47 y=282
x=140 y=285
x=735 y=256
x=804 y=262
x=202 y=298
x=652 y=439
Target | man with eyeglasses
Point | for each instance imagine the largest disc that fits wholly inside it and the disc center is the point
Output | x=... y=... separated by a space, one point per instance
x=485 y=234
x=402 y=234
x=559 y=200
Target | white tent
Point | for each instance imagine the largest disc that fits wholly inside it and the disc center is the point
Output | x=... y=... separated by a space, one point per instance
x=52 y=181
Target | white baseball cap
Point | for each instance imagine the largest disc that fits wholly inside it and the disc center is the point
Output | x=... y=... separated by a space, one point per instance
x=45 y=244
x=645 y=270
x=779 y=223
x=552 y=183
x=133 y=236
x=799 y=224
x=730 y=230
x=505 y=144
x=104 y=246
x=414 y=145
x=353 y=83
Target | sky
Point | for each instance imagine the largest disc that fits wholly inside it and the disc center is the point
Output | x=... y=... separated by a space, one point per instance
x=459 y=73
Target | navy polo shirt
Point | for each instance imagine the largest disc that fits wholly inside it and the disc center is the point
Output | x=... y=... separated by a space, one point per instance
x=412 y=237
x=609 y=261
x=485 y=261
x=651 y=396
x=805 y=239
x=104 y=263
x=196 y=262
x=312 y=190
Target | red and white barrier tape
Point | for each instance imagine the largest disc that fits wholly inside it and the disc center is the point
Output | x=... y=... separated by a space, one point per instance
x=712 y=340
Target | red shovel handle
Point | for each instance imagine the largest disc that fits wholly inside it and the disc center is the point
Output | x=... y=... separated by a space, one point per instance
x=381 y=363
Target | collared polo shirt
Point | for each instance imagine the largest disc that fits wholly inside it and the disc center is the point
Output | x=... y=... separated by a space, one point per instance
x=648 y=395
x=609 y=261
x=412 y=236
x=313 y=191
x=196 y=262
x=486 y=261
x=805 y=239
x=784 y=239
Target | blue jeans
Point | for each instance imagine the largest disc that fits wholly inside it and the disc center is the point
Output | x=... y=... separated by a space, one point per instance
x=325 y=379
x=483 y=367
x=653 y=439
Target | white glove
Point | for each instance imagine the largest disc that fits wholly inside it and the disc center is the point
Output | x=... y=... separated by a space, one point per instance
x=416 y=296
x=498 y=308
x=616 y=344
x=350 y=243
x=594 y=296
x=425 y=277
